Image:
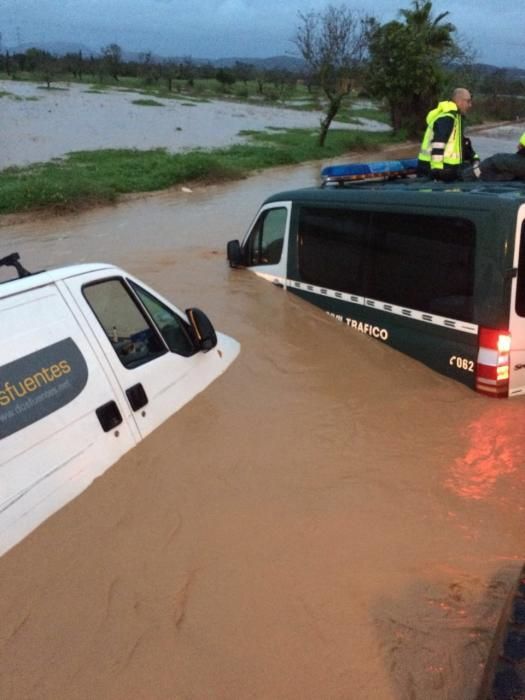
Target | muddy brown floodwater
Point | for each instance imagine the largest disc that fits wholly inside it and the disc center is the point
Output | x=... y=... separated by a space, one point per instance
x=330 y=519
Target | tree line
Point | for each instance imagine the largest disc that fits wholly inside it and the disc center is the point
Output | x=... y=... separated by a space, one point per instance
x=110 y=66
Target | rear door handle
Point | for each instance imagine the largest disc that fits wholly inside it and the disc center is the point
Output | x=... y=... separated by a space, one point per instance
x=137 y=396
x=109 y=416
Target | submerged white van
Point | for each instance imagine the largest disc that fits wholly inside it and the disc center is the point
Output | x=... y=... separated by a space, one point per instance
x=91 y=361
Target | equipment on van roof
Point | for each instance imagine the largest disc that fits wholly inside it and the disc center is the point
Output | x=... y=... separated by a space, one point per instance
x=378 y=170
x=13 y=260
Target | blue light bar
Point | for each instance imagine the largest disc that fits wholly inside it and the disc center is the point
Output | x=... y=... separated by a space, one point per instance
x=378 y=170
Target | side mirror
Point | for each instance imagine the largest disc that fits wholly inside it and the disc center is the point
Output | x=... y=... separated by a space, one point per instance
x=234 y=253
x=202 y=330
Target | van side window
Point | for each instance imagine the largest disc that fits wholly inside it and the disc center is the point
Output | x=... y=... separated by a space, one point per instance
x=520 y=283
x=131 y=334
x=265 y=244
x=332 y=248
x=172 y=328
x=423 y=262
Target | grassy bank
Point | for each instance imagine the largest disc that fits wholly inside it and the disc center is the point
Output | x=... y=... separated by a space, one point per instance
x=85 y=178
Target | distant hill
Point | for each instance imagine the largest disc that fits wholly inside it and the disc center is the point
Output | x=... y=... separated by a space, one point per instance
x=512 y=73
x=291 y=63
x=60 y=48
x=57 y=48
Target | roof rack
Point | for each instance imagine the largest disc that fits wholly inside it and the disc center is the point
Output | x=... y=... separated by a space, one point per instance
x=359 y=172
x=12 y=260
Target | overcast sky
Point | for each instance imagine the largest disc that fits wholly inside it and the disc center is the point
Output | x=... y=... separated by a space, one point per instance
x=239 y=28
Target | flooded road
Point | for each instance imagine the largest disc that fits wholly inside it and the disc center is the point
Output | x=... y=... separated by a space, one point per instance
x=330 y=519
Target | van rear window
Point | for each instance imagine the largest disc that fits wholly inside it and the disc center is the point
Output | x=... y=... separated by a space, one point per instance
x=420 y=262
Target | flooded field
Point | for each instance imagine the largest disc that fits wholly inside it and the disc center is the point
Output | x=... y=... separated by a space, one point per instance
x=40 y=124
x=330 y=519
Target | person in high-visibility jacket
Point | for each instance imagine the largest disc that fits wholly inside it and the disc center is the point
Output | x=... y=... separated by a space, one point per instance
x=500 y=166
x=445 y=149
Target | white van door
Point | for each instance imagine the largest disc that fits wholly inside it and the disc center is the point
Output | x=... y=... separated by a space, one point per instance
x=61 y=422
x=266 y=244
x=146 y=343
x=517 y=312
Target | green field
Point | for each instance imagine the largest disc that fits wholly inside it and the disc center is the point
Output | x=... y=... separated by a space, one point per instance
x=85 y=178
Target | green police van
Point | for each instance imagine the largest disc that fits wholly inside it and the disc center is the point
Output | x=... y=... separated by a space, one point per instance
x=435 y=270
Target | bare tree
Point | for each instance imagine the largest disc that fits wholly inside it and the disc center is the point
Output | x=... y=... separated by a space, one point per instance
x=332 y=43
x=74 y=63
x=112 y=59
x=169 y=73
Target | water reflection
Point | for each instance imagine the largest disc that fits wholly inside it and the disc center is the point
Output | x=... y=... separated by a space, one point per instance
x=495 y=450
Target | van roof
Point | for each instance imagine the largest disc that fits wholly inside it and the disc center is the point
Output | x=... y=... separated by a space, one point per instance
x=408 y=192
x=18 y=285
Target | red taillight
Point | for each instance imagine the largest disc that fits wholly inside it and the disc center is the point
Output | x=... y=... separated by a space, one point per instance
x=494 y=340
x=492 y=369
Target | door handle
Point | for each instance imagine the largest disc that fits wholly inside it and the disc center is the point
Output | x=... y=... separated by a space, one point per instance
x=137 y=396
x=109 y=416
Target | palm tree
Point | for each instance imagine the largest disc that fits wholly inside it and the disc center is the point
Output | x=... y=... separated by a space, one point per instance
x=437 y=36
x=406 y=62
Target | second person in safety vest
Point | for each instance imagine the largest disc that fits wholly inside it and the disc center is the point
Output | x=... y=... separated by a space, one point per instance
x=445 y=149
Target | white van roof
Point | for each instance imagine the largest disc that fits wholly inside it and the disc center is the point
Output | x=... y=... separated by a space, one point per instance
x=18 y=285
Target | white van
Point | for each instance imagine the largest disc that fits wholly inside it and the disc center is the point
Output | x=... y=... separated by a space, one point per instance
x=91 y=361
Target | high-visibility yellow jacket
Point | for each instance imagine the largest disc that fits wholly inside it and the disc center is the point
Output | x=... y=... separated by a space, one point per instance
x=444 y=148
